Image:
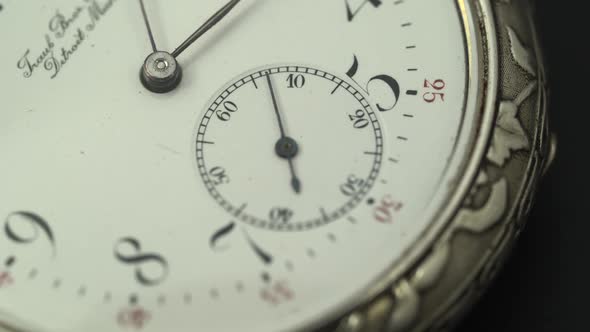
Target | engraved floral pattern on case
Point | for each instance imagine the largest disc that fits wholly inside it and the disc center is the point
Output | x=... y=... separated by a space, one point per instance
x=497 y=205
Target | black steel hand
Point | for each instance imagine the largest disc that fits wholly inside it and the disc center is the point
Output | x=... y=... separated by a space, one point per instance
x=295 y=182
x=147 y=25
x=285 y=147
x=211 y=22
x=161 y=72
x=276 y=105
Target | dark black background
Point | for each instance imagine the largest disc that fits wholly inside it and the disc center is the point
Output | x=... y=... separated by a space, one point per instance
x=544 y=286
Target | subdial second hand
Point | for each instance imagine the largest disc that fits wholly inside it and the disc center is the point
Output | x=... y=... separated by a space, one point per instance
x=286 y=147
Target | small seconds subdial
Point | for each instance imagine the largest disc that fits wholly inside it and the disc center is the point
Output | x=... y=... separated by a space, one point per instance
x=289 y=148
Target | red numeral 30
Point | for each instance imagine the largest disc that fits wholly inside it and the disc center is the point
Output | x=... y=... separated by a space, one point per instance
x=384 y=212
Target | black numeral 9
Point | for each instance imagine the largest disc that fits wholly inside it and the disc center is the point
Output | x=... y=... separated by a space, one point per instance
x=27 y=227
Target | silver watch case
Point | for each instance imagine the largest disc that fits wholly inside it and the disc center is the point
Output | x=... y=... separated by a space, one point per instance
x=454 y=262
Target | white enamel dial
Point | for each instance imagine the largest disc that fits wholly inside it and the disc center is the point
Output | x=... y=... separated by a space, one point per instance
x=306 y=149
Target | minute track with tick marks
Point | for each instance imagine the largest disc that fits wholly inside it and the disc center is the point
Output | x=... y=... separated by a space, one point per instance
x=238 y=105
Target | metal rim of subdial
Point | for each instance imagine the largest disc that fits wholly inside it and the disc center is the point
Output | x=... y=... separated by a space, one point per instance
x=238 y=211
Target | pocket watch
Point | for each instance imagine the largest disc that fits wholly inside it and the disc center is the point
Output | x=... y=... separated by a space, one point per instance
x=263 y=165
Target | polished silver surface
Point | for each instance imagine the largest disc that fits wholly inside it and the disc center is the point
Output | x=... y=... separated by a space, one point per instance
x=160 y=72
x=457 y=267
